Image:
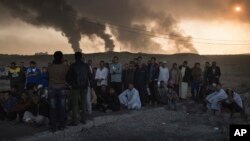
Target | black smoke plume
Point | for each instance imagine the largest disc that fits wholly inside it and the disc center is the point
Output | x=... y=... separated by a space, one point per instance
x=59 y=15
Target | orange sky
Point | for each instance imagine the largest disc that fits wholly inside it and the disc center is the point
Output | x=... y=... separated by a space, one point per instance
x=18 y=37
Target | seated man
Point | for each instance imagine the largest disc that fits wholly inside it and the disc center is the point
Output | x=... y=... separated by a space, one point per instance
x=110 y=101
x=162 y=93
x=233 y=102
x=7 y=102
x=130 y=98
x=172 y=97
x=215 y=99
x=38 y=112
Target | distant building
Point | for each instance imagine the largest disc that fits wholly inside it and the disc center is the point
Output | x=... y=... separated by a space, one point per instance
x=41 y=53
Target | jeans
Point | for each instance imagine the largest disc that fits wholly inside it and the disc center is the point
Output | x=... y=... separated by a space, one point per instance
x=79 y=95
x=57 y=101
x=195 y=86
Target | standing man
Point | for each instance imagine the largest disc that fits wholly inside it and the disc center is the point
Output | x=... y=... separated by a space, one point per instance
x=79 y=78
x=116 y=75
x=101 y=77
x=32 y=75
x=185 y=79
x=15 y=75
x=57 y=96
x=175 y=77
x=214 y=74
x=196 y=80
x=128 y=75
x=163 y=73
x=153 y=73
x=140 y=81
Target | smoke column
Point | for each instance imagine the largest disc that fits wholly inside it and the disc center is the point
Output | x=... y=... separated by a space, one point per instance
x=59 y=15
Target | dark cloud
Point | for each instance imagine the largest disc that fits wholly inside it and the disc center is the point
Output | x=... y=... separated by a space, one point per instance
x=59 y=15
x=131 y=17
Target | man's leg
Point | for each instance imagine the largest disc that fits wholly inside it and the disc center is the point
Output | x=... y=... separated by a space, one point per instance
x=52 y=102
x=62 y=107
x=89 y=103
x=75 y=105
x=83 y=94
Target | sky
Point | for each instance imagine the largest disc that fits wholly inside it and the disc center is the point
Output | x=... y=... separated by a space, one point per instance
x=150 y=26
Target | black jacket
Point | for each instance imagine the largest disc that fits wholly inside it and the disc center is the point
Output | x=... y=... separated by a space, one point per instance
x=79 y=75
x=213 y=76
x=188 y=75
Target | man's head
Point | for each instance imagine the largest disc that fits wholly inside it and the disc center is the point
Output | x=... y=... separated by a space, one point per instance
x=126 y=66
x=112 y=91
x=213 y=64
x=90 y=62
x=44 y=69
x=229 y=92
x=207 y=64
x=139 y=58
x=115 y=59
x=164 y=64
x=103 y=88
x=32 y=64
x=131 y=65
x=197 y=65
x=218 y=87
x=78 y=56
x=175 y=65
x=13 y=64
x=21 y=64
x=185 y=63
x=65 y=62
x=58 y=57
x=102 y=64
x=130 y=86
x=153 y=60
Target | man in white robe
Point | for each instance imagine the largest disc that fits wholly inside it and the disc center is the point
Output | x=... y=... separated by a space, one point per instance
x=215 y=99
x=130 y=98
x=163 y=74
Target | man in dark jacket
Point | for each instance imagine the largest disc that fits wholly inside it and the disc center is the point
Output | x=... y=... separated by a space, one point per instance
x=128 y=76
x=79 y=78
x=214 y=74
x=153 y=73
x=196 y=80
x=140 y=81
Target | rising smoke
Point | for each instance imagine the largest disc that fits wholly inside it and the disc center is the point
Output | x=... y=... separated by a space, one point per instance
x=59 y=15
x=62 y=16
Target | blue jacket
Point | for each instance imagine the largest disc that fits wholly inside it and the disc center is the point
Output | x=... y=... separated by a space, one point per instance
x=34 y=79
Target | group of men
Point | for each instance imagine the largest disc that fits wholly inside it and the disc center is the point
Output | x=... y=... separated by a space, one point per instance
x=76 y=87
